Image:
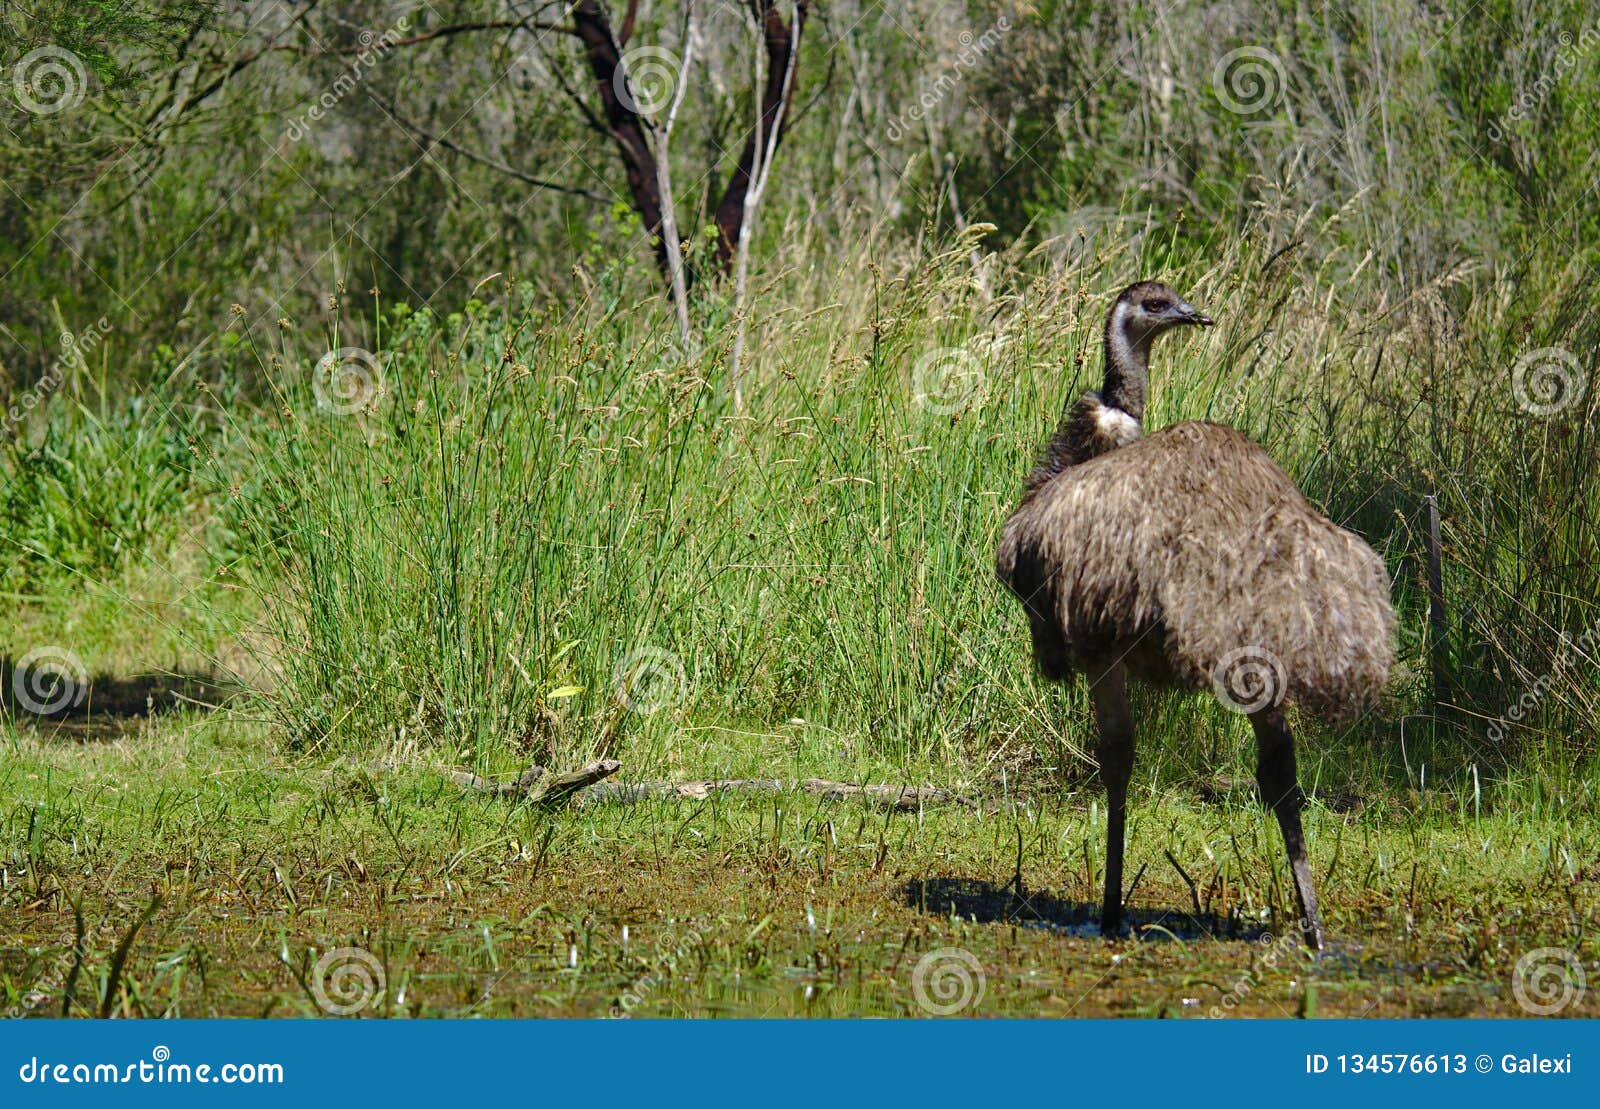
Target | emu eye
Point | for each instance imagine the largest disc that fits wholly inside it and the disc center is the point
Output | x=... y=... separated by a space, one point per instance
x=1155 y=307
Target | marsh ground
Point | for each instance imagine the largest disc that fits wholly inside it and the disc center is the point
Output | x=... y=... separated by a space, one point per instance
x=242 y=870
x=421 y=460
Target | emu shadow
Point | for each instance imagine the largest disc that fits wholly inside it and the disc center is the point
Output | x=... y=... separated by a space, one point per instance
x=102 y=706
x=987 y=903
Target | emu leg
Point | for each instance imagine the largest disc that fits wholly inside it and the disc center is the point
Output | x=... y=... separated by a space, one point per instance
x=1275 y=777
x=1108 y=689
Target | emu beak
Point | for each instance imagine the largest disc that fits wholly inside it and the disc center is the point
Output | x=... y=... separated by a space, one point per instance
x=1190 y=314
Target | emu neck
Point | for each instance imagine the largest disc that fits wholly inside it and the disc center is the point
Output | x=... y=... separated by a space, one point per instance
x=1127 y=368
x=1099 y=423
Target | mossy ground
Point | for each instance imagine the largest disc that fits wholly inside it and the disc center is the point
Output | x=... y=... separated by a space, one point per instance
x=250 y=866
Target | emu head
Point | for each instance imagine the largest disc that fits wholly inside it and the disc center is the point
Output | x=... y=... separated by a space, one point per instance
x=1142 y=312
x=1148 y=308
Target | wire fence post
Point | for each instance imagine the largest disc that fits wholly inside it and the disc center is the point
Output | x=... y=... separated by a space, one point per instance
x=1438 y=619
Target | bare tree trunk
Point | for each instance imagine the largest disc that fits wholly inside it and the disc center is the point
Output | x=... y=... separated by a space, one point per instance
x=644 y=158
x=782 y=41
x=645 y=147
x=764 y=141
x=661 y=136
x=644 y=144
x=625 y=126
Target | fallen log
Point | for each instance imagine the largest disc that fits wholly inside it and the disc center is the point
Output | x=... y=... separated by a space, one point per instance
x=899 y=798
x=552 y=791
x=627 y=793
x=539 y=785
x=903 y=798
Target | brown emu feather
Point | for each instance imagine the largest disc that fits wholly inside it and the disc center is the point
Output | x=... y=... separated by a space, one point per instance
x=1181 y=548
x=1190 y=559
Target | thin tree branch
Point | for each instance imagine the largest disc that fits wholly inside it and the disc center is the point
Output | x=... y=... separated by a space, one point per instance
x=661 y=135
x=492 y=163
x=782 y=51
x=625 y=32
x=595 y=122
x=429 y=36
x=766 y=147
x=193 y=98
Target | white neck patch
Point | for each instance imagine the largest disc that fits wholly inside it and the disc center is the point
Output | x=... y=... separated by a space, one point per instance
x=1116 y=426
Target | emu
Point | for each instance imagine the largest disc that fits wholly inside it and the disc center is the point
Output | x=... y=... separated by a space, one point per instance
x=1188 y=559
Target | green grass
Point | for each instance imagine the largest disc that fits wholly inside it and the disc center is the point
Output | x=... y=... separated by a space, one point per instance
x=548 y=535
x=251 y=866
